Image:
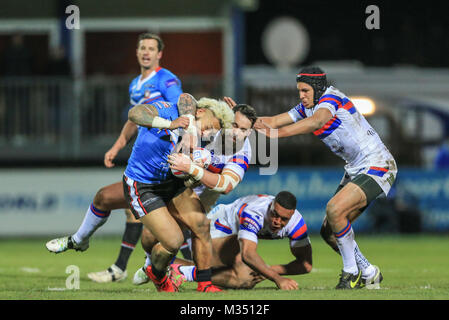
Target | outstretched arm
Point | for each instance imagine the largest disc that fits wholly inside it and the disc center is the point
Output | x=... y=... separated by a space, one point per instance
x=250 y=256
x=307 y=125
x=274 y=122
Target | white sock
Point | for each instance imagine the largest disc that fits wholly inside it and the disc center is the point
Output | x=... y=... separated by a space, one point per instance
x=345 y=242
x=188 y=272
x=362 y=263
x=147 y=260
x=93 y=219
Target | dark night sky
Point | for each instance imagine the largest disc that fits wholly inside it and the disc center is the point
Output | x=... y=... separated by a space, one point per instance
x=411 y=32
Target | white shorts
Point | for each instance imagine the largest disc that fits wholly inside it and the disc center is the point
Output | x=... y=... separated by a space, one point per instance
x=219 y=225
x=384 y=175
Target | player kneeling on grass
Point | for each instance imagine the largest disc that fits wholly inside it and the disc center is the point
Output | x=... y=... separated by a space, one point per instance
x=235 y=230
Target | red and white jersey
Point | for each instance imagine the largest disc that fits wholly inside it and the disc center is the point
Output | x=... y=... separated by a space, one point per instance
x=237 y=162
x=347 y=134
x=248 y=218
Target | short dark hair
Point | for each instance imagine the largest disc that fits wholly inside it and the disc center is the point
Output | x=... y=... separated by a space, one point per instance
x=286 y=199
x=149 y=35
x=247 y=111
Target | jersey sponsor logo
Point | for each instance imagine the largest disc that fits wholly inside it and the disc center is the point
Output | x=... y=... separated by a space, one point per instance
x=249 y=225
x=247 y=222
x=171 y=82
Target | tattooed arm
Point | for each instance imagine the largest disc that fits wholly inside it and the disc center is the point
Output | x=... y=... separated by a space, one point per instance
x=187 y=107
x=146 y=115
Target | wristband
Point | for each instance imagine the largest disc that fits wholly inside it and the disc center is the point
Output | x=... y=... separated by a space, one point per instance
x=196 y=171
x=160 y=123
x=191 y=129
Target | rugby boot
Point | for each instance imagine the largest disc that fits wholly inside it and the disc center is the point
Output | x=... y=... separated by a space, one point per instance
x=349 y=280
x=207 y=286
x=176 y=276
x=111 y=274
x=162 y=285
x=374 y=281
x=59 y=245
x=140 y=277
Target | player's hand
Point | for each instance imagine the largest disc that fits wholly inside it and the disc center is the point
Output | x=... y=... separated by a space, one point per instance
x=181 y=122
x=260 y=124
x=187 y=143
x=109 y=156
x=286 y=284
x=231 y=103
x=179 y=161
x=265 y=129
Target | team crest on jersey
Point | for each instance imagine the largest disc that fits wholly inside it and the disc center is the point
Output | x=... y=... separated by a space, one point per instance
x=147 y=93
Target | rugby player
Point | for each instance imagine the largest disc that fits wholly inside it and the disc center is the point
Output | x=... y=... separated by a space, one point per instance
x=153 y=84
x=148 y=184
x=235 y=229
x=370 y=168
x=223 y=174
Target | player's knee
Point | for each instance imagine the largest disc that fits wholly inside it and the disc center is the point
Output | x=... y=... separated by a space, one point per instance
x=333 y=212
x=101 y=199
x=147 y=240
x=173 y=243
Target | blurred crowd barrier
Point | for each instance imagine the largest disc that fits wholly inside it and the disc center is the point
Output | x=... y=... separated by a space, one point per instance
x=53 y=201
x=59 y=119
x=62 y=119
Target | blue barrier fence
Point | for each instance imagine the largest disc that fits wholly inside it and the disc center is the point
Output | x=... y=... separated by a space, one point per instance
x=54 y=201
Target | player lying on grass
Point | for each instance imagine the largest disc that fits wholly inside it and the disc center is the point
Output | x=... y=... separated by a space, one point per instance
x=148 y=185
x=370 y=168
x=235 y=229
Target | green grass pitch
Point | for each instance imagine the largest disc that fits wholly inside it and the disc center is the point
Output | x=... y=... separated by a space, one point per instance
x=414 y=267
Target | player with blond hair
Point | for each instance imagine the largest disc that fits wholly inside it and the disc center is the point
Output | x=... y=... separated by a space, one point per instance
x=223 y=174
x=148 y=186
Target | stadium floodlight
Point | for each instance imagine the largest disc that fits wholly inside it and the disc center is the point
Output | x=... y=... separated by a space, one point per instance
x=364 y=105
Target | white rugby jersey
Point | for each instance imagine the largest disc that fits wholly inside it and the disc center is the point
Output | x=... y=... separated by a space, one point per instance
x=237 y=162
x=249 y=215
x=347 y=134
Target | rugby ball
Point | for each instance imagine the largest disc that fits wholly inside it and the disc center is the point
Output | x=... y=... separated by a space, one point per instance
x=202 y=156
x=199 y=156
